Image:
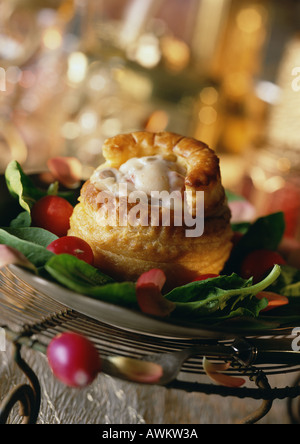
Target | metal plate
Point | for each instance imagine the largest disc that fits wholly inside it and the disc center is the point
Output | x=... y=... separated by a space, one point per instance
x=127 y=319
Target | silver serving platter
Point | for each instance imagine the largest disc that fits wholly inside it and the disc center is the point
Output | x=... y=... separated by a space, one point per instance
x=131 y=320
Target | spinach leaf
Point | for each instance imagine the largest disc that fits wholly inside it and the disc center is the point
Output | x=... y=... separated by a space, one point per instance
x=21 y=186
x=35 y=235
x=233 y=197
x=265 y=233
x=250 y=310
x=288 y=284
x=225 y=294
x=83 y=278
x=22 y=220
x=241 y=227
x=37 y=254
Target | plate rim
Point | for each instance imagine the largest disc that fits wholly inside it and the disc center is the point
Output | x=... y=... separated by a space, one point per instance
x=114 y=314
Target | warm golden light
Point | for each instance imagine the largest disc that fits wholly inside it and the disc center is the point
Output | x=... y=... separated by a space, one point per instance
x=249 y=20
x=148 y=52
x=89 y=121
x=237 y=83
x=284 y=164
x=134 y=84
x=208 y=115
x=70 y=130
x=176 y=53
x=274 y=184
x=52 y=38
x=77 y=67
x=209 y=96
x=158 y=121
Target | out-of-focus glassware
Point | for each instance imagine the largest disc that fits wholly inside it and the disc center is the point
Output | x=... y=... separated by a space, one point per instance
x=272 y=184
x=272 y=181
x=146 y=64
x=79 y=71
x=32 y=55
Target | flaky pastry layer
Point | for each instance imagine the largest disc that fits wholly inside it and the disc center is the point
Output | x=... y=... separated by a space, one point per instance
x=125 y=252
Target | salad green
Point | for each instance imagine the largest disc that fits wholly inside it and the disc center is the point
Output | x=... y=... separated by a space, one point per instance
x=227 y=299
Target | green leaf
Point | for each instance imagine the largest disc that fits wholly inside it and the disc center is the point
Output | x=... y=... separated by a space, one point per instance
x=250 y=309
x=265 y=233
x=35 y=235
x=35 y=253
x=241 y=227
x=233 y=197
x=53 y=189
x=202 y=299
x=21 y=221
x=288 y=283
x=85 y=279
x=21 y=186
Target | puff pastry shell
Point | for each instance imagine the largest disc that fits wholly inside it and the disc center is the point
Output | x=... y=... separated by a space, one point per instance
x=125 y=252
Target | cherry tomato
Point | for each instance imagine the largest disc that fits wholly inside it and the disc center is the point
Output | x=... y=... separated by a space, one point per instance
x=73 y=359
x=237 y=236
x=203 y=277
x=53 y=214
x=73 y=245
x=258 y=263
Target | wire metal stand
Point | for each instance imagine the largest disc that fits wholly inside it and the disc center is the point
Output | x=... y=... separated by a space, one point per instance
x=31 y=319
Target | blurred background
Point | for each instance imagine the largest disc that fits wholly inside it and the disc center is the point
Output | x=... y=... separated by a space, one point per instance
x=75 y=72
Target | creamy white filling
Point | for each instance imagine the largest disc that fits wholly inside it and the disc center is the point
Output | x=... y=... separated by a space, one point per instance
x=146 y=174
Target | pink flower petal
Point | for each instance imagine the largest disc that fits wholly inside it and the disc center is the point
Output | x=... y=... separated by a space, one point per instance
x=149 y=296
x=138 y=371
x=67 y=170
x=156 y=277
x=11 y=256
x=242 y=211
x=213 y=372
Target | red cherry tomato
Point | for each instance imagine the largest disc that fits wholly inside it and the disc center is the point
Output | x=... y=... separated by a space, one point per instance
x=53 y=214
x=203 y=277
x=73 y=359
x=237 y=236
x=258 y=263
x=73 y=245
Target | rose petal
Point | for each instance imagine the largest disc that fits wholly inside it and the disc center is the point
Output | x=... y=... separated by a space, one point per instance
x=212 y=370
x=275 y=300
x=152 y=302
x=137 y=371
x=156 y=277
x=11 y=256
x=149 y=296
x=242 y=211
x=67 y=170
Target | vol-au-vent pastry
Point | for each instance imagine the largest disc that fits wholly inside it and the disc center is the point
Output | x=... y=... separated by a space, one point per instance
x=137 y=209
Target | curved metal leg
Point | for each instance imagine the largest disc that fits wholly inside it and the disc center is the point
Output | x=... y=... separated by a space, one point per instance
x=27 y=395
x=294 y=406
x=262 y=383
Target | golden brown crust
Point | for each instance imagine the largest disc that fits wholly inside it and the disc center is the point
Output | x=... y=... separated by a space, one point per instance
x=125 y=252
x=201 y=163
